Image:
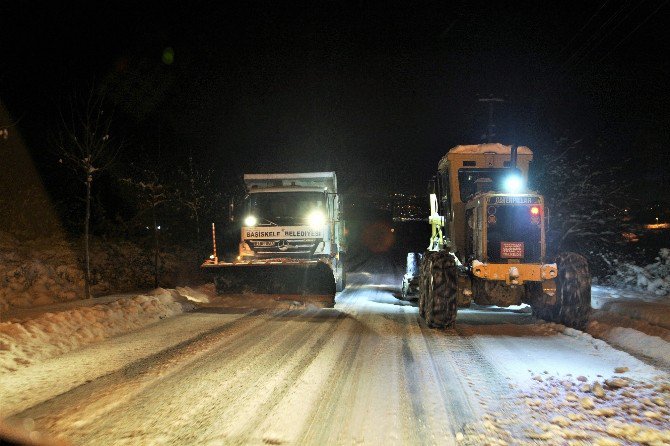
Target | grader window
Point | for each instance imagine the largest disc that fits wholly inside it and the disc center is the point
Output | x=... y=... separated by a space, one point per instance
x=473 y=181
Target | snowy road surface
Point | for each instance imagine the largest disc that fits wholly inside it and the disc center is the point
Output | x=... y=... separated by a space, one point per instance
x=365 y=372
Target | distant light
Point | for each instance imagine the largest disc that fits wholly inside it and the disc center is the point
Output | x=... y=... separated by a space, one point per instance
x=657 y=226
x=168 y=56
x=158 y=227
x=250 y=220
x=513 y=183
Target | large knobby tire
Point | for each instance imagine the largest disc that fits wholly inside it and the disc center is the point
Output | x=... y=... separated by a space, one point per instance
x=423 y=284
x=438 y=289
x=573 y=290
x=542 y=304
x=571 y=305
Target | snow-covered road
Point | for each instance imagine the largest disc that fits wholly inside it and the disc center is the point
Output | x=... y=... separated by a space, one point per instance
x=365 y=372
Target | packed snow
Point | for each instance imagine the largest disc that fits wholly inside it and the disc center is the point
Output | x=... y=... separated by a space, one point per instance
x=49 y=334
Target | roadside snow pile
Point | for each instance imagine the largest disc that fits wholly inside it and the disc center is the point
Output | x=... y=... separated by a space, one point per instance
x=633 y=341
x=571 y=410
x=635 y=321
x=46 y=271
x=654 y=278
x=52 y=334
x=33 y=275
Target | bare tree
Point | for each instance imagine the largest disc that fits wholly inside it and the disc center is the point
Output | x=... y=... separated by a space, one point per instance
x=197 y=193
x=85 y=145
x=151 y=193
x=585 y=196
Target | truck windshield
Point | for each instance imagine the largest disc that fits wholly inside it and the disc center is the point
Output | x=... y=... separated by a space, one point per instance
x=473 y=181
x=284 y=208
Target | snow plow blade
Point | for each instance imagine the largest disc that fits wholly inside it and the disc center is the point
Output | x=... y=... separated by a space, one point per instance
x=294 y=278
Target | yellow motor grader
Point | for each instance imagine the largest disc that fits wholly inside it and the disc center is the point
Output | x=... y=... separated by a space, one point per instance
x=488 y=246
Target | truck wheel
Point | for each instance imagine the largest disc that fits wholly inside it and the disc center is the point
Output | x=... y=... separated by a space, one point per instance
x=439 y=290
x=571 y=304
x=542 y=304
x=410 y=282
x=573 y=290
x=423 y=283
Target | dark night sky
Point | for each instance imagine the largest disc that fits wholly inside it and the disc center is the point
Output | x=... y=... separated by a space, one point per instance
x=374 y=91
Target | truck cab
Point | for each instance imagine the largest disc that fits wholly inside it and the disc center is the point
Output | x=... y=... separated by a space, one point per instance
x=291 y=216
x=291 y=238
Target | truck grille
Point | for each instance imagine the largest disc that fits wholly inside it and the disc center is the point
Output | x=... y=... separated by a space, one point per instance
x=283 y=248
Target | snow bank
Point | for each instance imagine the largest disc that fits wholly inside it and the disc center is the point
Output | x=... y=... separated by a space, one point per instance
x=51 y=334
x=653 y=278
x=633 y=341
x=632 y=320
x=47 y=271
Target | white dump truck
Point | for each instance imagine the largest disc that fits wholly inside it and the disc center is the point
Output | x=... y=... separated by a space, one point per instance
x=291 y=237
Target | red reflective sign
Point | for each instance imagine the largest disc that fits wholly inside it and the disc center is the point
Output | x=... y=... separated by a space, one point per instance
x=511 y=250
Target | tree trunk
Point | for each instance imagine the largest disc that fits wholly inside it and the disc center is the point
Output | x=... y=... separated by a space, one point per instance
x=153 y=213
x=87 y=273
x=197 y=229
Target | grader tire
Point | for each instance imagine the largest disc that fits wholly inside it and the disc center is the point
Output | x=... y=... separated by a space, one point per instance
x=538 y=300
x=423 y=283
x=571 y=305
x=438 y=293
x=573 y=290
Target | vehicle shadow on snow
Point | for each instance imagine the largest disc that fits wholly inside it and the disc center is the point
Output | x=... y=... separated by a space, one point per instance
x=221 y=310
x=304 y=313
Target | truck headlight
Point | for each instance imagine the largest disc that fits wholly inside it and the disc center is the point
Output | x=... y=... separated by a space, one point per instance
x=513 y=183
x=316 y=219
x=250 y=220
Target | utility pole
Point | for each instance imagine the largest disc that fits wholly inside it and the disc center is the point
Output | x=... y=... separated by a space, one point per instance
x=490 y=128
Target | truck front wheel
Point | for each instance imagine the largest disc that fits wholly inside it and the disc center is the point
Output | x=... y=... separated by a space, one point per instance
x=438 y=289
x=571 y=305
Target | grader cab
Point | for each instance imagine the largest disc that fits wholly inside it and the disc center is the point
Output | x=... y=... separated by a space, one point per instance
x=488 y=243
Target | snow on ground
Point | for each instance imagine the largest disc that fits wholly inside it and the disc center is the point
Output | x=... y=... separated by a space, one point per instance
x=44 y=335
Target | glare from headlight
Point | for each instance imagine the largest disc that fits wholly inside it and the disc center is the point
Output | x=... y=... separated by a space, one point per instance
x=316 y=219
x=250 y=220
x=513 y=183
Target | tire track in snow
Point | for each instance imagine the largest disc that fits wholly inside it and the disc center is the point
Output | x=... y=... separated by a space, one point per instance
x=136 y=375
x=291 y=377
x=221 y=389
x=488 y=383
x=319 y=429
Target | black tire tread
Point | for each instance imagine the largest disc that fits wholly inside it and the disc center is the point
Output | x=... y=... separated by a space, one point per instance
x=438 y=289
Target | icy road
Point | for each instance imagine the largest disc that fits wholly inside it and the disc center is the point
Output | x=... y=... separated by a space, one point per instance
x=365 y=372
